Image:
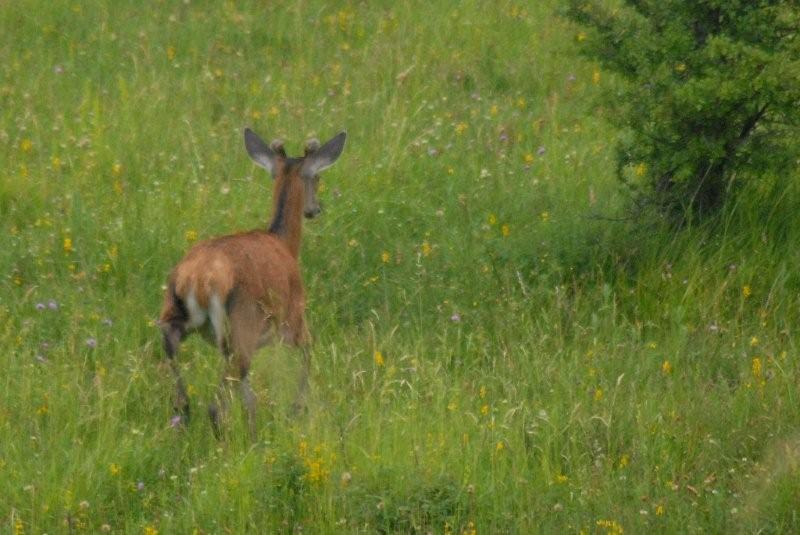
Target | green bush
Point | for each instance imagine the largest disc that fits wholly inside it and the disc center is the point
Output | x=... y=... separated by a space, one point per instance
x=708 y=97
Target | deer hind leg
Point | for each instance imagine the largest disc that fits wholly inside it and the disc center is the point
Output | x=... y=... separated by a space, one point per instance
x=245 y=324
x=300 y=337
x=173 y=329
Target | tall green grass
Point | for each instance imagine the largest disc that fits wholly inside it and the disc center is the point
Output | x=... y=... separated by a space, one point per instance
x=492 y=353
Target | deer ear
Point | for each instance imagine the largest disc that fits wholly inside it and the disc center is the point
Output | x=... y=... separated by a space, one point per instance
x=325 y=156
x=259 y=152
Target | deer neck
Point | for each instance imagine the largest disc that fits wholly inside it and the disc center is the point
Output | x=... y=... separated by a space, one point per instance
x=287 y=213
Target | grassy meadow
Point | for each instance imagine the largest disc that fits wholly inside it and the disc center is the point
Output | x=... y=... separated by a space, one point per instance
x=496 y=348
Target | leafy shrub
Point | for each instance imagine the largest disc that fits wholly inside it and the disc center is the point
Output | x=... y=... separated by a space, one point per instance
x=708 y=96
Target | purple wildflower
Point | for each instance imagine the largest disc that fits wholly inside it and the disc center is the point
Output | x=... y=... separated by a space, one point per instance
x=456 y=317
x=175 y=421
x=40 y=306
x=91 y=342
x=52 y=304
x=541 y=150
x=140 y=486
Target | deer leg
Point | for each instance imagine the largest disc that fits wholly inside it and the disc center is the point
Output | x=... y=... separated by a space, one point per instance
x=302 y=385
x=172 y=335
x=301 y=338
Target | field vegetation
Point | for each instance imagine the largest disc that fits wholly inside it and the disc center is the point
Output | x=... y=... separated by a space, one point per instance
x=498 y=347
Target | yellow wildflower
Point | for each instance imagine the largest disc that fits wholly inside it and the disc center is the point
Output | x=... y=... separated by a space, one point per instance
x=67 y=245
x=754 y=341
x=561 y=479
x=756 y=368
x=500 y=446
x=680 y=67
x=191 y=235
x=581 y=37
x=598 y=394
x=659 y=510
x=26 y=145
x=378 y=358
x=426 y=248
x=461 y=128
x=385 y=257
x=115 y=469
x=506 y=230
x=746 y=291
x=666 y=367
x=150 y=530
x=116 y=169
x=55 y=163
x=596 y=77
x=624 y=459
x=492 y=219
x=171 y=52
x=640 y=170
x=528 y=158
x=485 y=410
x=544 y=216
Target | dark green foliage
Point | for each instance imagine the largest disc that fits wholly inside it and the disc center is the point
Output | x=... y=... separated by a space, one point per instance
x=709 y=94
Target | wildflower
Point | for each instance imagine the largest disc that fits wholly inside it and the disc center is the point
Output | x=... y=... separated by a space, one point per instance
x=105 y=528
x=544 y=216
x=461 y=128
x=598 y=394
x=640 y=170
x=52 y=305
x=385 y=257
x=754 y=341
x=91 y=342
x=492 y=219
x=345 y=478
x=171 y=52
x=493 y=109
x=485 y=409
x=140 y=486
x=40 y=306
x=659 y=510
x=352 y=242
x=746 y=291
x=378 y=358
x=500 y=446
x=456 y=317
x=273 y=111
x=452 y=406
x=68 y=245
x=528 y=158
x=666 y=367
x=521 y=103
x=680 y=67
x=115 y=469
x=596 y=77
x=581 y=37
x=26 y=145
x=756 y=367
x=506 y=230
x=426 y=248
x=191 y=235
x=561 y=478
x=116 y=169
x=624 y=459
x=175 y=421
x=540 y=151
x=55 y=163
x=482 y=392
x=150 y=530
x=612 y=527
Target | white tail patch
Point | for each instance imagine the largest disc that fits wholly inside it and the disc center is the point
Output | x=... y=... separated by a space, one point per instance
x=216 y=312
x=197 y=314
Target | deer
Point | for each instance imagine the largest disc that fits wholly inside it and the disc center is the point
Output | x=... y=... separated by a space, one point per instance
x=243 y=291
